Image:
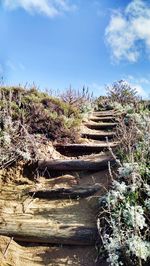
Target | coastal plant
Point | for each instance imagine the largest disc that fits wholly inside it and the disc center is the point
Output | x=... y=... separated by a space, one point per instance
x=121 y=96
x=82 y=100
x=26 y=113
x=124 y=217
x=103 y=103
x=122 y=92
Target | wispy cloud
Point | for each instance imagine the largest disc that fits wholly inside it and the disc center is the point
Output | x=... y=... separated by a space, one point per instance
x=50 y=8
x=11 y=65
x=140 y=84
x=14 y=66
x=140 y=91
x=139 y=80
x=129 y=31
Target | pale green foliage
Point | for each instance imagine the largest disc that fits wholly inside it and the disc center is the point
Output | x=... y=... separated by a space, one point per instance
x=124 y=219
x=122 y=92
x=139 y=248
x=15 y=142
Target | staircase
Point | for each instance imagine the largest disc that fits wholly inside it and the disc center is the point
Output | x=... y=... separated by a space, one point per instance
x=61 y=210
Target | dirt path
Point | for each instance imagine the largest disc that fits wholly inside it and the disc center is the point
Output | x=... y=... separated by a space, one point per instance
x=53 y=221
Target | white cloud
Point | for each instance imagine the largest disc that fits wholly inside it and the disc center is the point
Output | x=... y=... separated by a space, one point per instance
x=139 y=80
x=49 y=8
x=129 y=28
x=140 y=90
x=139 y=84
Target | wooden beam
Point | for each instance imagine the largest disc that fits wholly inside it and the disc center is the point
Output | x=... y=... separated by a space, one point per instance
x=69 y=222
x=94 y=125
x=98 y=135
x=36 y=255
x=103 y=113
x=83 y=149
x=74 y=165
x=101 y=119
x=65 y=193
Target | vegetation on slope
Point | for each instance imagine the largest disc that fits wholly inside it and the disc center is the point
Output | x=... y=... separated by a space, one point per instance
x=28 y=114
x=124 y=219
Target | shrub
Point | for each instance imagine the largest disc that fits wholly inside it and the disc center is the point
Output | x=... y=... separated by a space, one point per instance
x=122 y=92
x=124 y=218
x=103 y=103
x=25 y=113
x=39 y=111
x=80 y=100
x=15 y=142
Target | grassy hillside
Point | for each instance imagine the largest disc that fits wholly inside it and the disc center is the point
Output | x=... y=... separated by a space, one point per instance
x=30 y=114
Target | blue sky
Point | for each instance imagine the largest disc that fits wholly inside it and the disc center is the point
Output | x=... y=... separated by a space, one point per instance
x=55 y=43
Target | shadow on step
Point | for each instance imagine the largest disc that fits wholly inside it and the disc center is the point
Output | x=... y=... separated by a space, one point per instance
x=76 y=150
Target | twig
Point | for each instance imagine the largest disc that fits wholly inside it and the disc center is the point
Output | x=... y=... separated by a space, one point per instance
x=25 y=208
x=110 y=172
x=7 y=247
x=112 y=153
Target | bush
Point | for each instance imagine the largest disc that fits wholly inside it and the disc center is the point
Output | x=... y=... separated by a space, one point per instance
x=37 y=110
x=25 y=113
x=122 y=92
x=124 y=218
x=80 y=100
x=103 y=103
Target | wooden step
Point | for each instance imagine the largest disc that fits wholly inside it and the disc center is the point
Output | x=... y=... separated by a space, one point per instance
x=103 y=119
x=104 y=113
x=97 y=135
x=74 y=164
x=33 y=255
x=11 y=191
x=94 y=125
x=70 y=222
x=84 y=148
x=74 y=192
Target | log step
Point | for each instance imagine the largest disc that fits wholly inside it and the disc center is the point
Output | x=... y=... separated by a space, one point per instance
x=83 y=149
x=33 y=255
x=103 y=119
x=75 y=164
x=94 y=125
x=70 y=222
x=65 y=193
x=98 y=135
x=104 y=113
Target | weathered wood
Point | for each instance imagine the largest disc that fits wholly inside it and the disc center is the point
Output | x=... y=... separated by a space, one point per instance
x=74 y=165
x=104 y=113
x=94 y=125
x=33 y=255
x=103 y=119
x=69 y=222
x=98 y=135
x=13 y=192
x=82 y=149
x=65 y=193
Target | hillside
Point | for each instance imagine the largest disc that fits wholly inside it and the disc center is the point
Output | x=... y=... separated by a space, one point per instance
x=71 y=179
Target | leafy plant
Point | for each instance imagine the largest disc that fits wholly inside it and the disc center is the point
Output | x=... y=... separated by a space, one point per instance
x=124 y=217
x=82 y=100
x=27 y=112
x=122 y=92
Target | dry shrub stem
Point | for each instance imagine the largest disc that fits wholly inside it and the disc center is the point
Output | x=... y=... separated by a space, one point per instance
x=7 y=247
